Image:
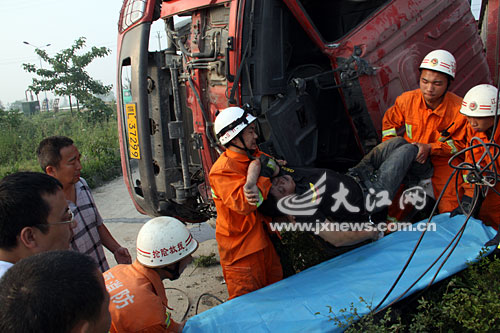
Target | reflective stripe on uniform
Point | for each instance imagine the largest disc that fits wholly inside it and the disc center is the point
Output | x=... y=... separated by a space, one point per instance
x=452 y=145
x=408 y=131
x=271 y=164
x=464 y=176
x=389 y=132
x=167 y=320
x=391 y=219
x=213 y=194
x=261 y=199
x=314 y=192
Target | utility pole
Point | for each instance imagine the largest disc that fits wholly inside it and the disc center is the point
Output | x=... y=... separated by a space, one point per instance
x=46 y=101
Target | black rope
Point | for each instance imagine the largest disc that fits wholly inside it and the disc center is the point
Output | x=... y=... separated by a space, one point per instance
x=206 y=294
x=479 y=172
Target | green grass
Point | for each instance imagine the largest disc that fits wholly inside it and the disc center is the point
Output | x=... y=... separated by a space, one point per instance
x=97 y=141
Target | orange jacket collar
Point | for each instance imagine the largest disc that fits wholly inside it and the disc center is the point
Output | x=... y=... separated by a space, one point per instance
x=152 y=276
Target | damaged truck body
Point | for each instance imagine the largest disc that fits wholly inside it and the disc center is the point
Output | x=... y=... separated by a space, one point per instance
x=319 y=76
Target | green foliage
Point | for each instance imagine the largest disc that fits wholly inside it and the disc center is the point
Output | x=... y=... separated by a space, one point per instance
x=97 y=141
x=205 y=261
x=301 y=250
x=467 y=302
x=66 y=75
x=97 y=110
x=352 y=321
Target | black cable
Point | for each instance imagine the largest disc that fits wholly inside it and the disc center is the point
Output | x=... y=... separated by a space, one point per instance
x=460 y=167
x=459 y=235
x=415 y=248
x=187 y=297
x=206 y=294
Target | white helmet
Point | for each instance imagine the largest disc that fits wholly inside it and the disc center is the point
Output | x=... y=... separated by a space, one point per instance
x=440 y=61
x=480 y=101
x=230 y=122
x=163 y=241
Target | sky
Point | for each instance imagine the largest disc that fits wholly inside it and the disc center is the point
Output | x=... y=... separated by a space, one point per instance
x=60 y=23
x=55 y=22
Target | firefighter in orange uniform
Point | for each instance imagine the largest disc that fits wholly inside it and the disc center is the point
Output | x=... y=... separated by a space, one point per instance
x=479 y=106
x=432 y=120
x=247 y=256
x=137 y=296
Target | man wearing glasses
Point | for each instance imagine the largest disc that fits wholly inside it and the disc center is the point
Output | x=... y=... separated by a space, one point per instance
x=34 y=217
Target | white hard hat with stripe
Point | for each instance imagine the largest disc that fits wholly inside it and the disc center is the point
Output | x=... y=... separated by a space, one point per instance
x=440 y=61
x=480 y=101
x=163 y=241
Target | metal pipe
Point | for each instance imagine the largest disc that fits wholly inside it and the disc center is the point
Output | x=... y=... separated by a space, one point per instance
x=178 y=117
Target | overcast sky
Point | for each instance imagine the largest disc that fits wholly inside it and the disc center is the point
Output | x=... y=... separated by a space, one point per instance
x=59 y=23
x=55 y=22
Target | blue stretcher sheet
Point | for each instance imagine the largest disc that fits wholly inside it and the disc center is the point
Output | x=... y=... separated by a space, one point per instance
x=368 y=272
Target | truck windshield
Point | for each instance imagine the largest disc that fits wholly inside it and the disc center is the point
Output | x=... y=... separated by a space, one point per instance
x=342 y=16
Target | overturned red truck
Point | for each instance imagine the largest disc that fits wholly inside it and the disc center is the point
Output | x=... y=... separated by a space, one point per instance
x=319 y=76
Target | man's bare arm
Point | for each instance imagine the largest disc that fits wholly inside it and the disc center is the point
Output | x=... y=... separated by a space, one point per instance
x=250 y=188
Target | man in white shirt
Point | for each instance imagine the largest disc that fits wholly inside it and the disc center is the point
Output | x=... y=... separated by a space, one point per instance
x=34 y=217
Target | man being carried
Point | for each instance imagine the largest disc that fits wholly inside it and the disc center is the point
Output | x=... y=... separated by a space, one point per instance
x=321 y=195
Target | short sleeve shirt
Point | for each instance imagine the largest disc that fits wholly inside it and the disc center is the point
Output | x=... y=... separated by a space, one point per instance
x=86 y=237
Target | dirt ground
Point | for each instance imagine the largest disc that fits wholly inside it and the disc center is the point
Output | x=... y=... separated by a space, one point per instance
x=124 y=222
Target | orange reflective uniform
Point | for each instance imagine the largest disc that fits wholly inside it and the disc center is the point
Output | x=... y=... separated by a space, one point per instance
x=137 y=300
x=247 y=256
x=490 y=209
x=424 y=125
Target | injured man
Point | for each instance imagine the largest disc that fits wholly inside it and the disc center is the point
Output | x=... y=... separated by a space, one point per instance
x=341 y=206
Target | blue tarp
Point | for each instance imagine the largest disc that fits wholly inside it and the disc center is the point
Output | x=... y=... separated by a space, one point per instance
x=368 y=272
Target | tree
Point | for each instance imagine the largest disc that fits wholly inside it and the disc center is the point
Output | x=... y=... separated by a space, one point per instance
x=67 y=75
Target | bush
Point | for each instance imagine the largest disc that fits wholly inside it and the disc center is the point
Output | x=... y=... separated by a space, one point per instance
x=466 y=302
x=97 y=140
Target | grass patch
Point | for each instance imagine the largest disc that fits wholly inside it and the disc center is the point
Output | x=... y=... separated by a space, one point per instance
x=96 y=139
x=205 y=261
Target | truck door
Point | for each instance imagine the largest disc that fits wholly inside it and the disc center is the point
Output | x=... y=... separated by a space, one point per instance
x=380 y=45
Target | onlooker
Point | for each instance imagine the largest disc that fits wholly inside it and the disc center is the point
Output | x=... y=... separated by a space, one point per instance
x=480 y=106
x=60 y=158
x=432 y=121
x=247 y=256
x=138 y=300
x=56 y=292
x=34 y=217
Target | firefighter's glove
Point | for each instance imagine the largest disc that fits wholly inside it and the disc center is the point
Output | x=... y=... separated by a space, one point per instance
x=268 y=167
x=467 y=207
x=494 y=241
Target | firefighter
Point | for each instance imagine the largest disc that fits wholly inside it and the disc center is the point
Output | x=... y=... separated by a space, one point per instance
x=432 y=120
x=247 y=256
x=480 y=106
x=137 y=296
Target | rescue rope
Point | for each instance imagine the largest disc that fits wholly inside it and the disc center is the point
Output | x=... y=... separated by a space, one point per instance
x=480 y=173
x=188 y=302
x=206 y=294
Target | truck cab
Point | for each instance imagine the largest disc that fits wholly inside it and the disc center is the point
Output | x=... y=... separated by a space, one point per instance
x=318 y=75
